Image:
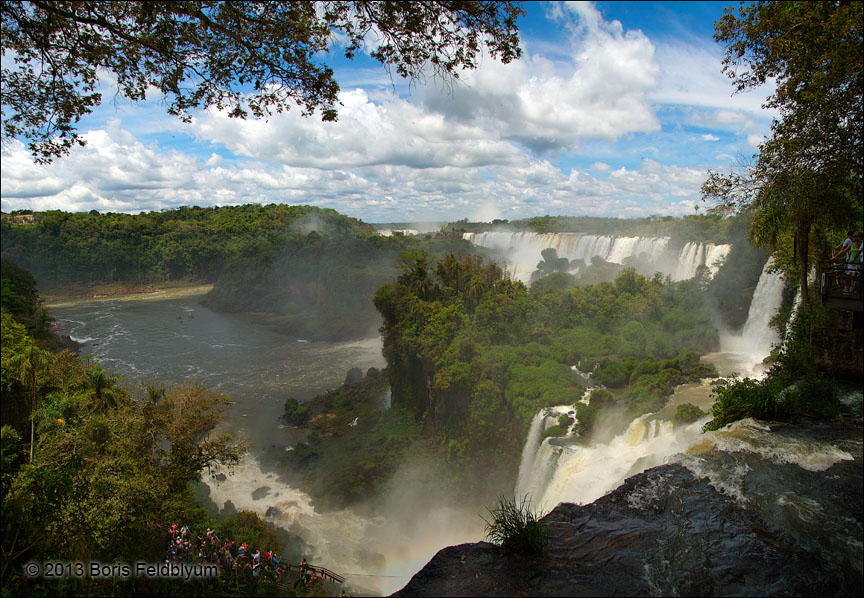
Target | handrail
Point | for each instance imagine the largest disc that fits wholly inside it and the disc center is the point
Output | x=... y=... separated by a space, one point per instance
x=326 y=573
x=835 y=281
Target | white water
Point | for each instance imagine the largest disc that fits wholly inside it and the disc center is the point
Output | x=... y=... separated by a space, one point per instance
x=521 y=251
x=694 y=255
x=375 y=555
x=582 y=474
x=743 y=352
x=560 y=470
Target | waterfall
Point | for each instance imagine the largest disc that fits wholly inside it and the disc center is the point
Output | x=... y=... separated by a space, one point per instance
x=539 y=454
x=521 y=251
x=693 y=255
x=532 y=443
x=756 y=339
x=557 y=470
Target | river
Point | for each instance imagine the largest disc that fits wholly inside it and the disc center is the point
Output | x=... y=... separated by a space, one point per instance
x=175 y=339
x=169 y=339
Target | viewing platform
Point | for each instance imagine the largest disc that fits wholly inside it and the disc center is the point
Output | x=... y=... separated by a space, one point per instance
x=835 y=284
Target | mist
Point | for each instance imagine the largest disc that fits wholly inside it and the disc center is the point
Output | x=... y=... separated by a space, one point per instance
x=378 y=544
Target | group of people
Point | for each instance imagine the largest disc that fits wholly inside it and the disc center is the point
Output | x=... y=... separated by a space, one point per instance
x=850 y=252
x=186 y=547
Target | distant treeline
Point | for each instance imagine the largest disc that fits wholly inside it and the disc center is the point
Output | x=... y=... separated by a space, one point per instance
x=61 y=247
x=303 y=270
x=306 y=271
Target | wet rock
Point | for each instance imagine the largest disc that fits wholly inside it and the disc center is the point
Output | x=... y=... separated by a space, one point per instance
x=221 y=477
x=228 y=509
x=353 y=376
x=662 y=532
x=273 y=512
x=260 y=493
x=718 y=382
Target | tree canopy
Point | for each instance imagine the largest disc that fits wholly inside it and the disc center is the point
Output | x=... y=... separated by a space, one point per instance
x=243 y=57
x=807 y=177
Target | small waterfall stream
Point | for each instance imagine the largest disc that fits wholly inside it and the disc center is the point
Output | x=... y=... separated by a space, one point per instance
x=743 y=352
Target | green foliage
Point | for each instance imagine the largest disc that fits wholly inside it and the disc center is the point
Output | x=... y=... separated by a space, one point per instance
x=11 y=455
x=341 y=463
x=247 y=526
x=99 y=467
x=807 y=178
x=600 y=397
x=561 y=281
x=687 y=414
x=561 y=428
x=200 y=54
x=474 y=356
x=295 y=413
x=517 y=528
x=738 y=399
x=184 y=243
x=21 y=299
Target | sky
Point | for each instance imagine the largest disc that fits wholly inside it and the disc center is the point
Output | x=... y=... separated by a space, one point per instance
x=615 y=109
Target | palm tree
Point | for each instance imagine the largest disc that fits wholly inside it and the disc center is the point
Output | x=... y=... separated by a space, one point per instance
x=102 y=384
x=155 y=392
x=27 y=365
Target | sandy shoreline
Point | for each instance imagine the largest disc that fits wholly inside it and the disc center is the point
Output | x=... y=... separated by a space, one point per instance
x=154 y=295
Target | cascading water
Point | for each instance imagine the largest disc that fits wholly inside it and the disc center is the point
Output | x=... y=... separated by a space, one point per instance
x=555 y=470
x=521 y=251
x=563 y=471
x=743 y=352
x=538 y=452
x=693 y=255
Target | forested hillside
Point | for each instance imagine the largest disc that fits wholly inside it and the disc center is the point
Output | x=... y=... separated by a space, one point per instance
x=62 y=247
x=475 y=355
x=95 y=471
x=303 y=270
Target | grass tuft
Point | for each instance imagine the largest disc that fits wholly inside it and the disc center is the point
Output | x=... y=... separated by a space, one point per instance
x=516 y=527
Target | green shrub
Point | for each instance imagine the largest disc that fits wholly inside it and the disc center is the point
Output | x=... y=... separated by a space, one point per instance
x=517 y=528
x=296 y=414
x=738 y=399
x=687 y=414
x=561 y=428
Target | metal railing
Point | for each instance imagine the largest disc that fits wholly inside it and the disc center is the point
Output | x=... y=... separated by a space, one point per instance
x=320 y=571
x=836 y=281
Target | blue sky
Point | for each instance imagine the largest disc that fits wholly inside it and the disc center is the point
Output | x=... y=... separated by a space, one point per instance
x=616 y=109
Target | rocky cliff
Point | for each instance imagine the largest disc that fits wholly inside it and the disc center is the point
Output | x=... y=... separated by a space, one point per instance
x=669 y=532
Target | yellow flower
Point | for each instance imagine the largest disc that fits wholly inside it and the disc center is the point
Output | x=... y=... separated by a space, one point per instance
x=60 y=420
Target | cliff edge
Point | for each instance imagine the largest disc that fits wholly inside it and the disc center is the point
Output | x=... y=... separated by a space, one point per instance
x=669 y=532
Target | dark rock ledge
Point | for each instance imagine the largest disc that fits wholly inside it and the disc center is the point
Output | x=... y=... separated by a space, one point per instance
x=663 y=532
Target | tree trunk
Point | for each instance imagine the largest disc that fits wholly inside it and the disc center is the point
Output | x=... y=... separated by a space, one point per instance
x=803 y=243
x=32 y=413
